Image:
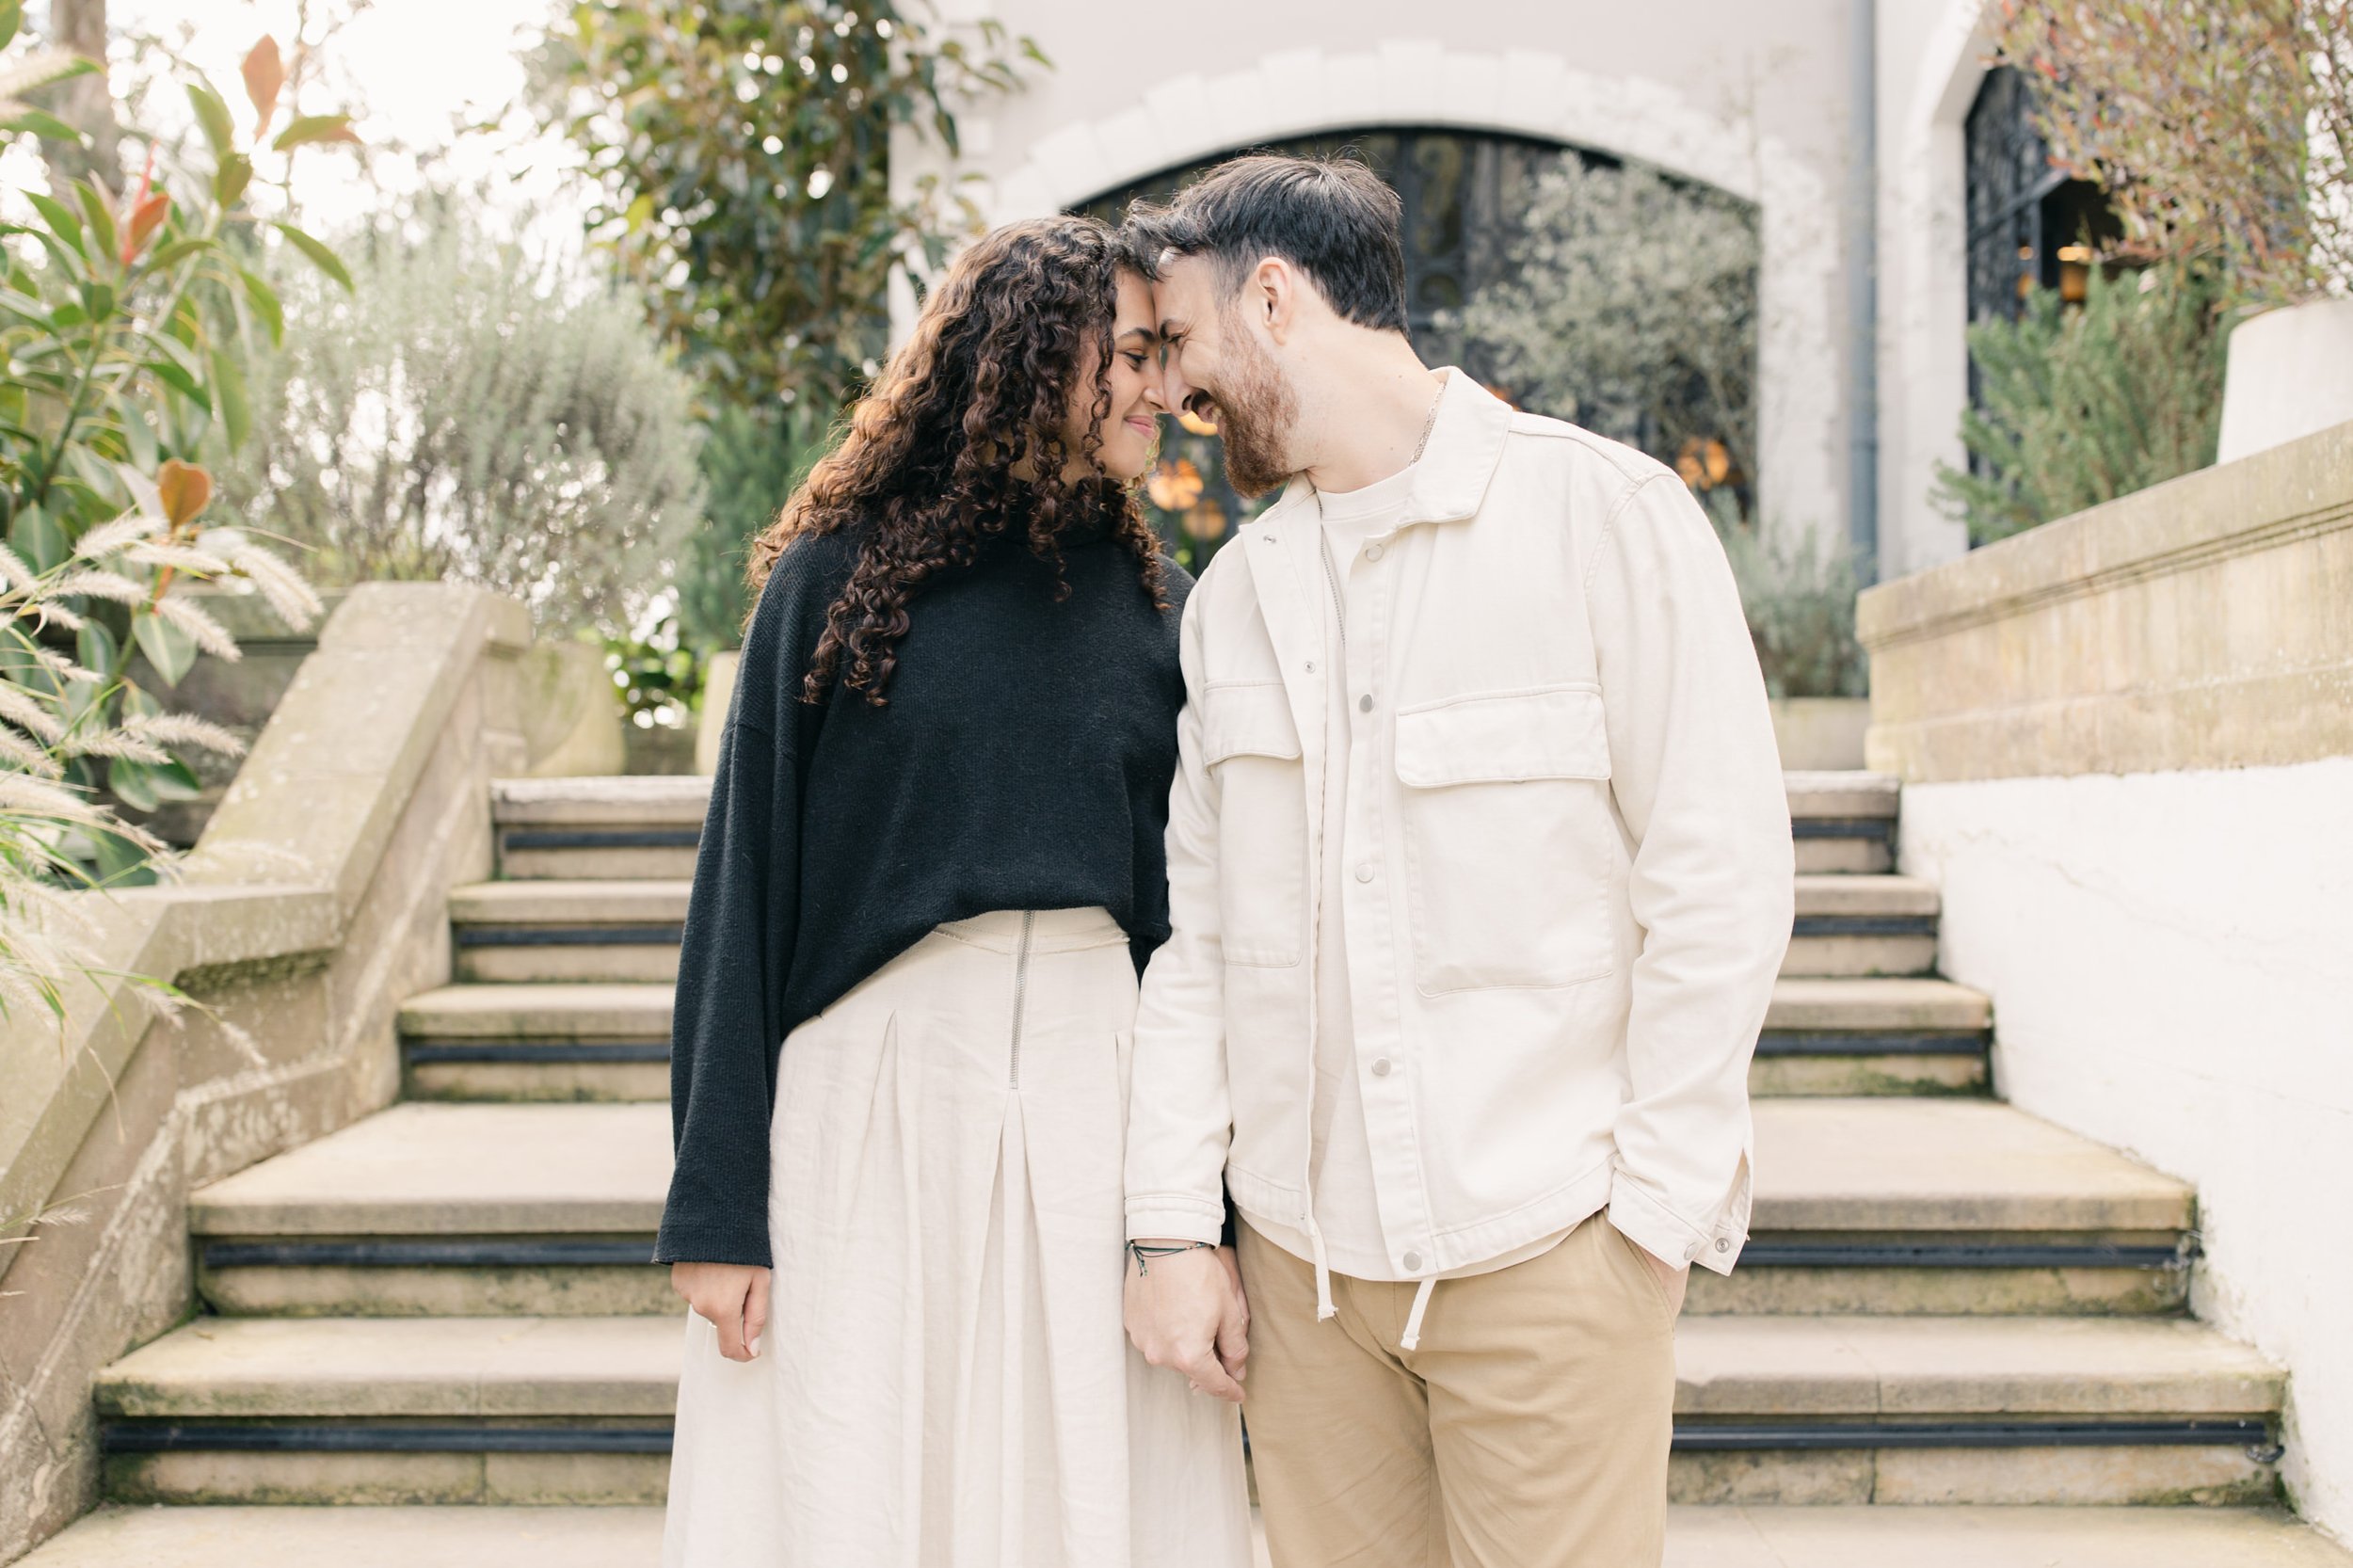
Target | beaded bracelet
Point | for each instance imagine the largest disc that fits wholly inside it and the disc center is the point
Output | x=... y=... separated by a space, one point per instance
x=1144 y=1254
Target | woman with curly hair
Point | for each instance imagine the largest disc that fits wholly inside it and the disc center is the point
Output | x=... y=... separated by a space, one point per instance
x=930 y=871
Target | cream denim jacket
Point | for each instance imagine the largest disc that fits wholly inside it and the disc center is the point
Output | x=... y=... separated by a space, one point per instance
x=1561 y=949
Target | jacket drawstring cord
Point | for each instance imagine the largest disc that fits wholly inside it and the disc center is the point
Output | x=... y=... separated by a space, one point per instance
x=1411 y=1338
x=1324 y=1309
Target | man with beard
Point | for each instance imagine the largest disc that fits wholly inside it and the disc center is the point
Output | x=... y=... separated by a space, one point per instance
x=1480 y=873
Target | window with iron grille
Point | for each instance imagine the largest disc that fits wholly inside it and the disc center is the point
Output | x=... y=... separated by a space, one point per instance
x=2031 y=225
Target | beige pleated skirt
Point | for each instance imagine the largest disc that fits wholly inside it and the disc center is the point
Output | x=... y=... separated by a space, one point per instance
x=945 y=1381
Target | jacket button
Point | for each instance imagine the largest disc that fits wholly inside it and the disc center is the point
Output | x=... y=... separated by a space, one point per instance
x=1364 y=703
x=1311 y=666
x=1364 y=872
x=1381 y=1068
x=1411 y=1261
x=1372 y=552
x=1722 y=1244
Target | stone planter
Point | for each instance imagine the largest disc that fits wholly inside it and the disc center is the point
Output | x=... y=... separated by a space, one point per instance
x=572 y=715
x=2291 y=373
x=718 y=692
x=1821 y=733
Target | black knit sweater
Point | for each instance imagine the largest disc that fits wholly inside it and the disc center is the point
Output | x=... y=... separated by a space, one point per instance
x=1022 y=762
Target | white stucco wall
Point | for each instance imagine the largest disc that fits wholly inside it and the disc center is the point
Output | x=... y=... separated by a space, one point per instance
x=1931 y=57
x=1750 y=97
x=2171 y=957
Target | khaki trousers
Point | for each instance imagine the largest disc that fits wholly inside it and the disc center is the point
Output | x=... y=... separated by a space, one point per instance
x=1528 y=1430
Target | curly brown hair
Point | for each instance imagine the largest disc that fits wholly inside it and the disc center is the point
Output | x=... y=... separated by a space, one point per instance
x=929 y=456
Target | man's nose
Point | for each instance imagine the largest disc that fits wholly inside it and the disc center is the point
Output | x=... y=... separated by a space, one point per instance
x=1172 y=386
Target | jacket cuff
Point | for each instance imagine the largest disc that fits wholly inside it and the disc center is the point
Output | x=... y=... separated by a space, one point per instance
x=1667 y=1236
x=1178 y=1219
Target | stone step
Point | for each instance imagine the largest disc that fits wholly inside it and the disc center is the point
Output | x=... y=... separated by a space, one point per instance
x=1948 y=1537
x=1811 y=1409
x=1863 y=925
x=1726 y=1537
x=553 y=1042
x=617 y=929
x=577 y=1041
x=1872 y=1036
x=648 y=828
x=1867 y=1205
x=598 y=827
x=610 y=931
x=1845 y=823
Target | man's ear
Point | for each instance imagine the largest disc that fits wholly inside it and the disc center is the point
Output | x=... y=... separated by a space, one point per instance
x=1273 y=292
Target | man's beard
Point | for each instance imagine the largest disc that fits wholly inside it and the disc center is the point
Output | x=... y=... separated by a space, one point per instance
x=1255 y=413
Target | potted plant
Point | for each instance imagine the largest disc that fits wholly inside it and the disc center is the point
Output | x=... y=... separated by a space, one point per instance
x=2220 y=132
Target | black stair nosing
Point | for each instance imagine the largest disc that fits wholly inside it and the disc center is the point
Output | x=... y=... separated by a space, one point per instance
x=150 y=1436
x=2253 y=1433
x=420 y=1051
x=1774 y=1042
x=1881 y=828
x=1865 y=925
x=637 y=1249
x=471 y=934
x=1842 y=1042
x=1765 y=1252
x=599 y=837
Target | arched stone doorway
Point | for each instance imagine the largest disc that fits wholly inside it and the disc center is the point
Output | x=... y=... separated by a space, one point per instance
x=1467 y=197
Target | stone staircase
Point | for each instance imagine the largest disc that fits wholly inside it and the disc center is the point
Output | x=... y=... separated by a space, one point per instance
x=1946 y=1303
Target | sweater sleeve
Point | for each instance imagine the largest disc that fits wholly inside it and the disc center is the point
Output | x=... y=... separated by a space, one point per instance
x=727 y=1021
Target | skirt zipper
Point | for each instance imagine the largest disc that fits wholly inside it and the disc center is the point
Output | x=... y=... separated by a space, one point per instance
x=1020 y=990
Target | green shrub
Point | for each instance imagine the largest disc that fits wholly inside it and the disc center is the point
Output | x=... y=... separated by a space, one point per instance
x=1629 y=304
x=1800 y=599
x=750 y=463
x=128 y=327
x=470 y=416
x=2077 y=407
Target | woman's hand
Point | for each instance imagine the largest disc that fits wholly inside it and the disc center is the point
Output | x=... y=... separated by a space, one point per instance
x=1188 y=1312
x=734 y=1296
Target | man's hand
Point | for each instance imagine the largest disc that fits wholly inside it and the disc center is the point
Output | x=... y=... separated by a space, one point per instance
x=734 y=1296
x=1188 y=1312
x=1675 y=1278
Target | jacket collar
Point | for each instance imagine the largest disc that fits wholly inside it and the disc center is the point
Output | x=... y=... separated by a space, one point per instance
x=1466 y=444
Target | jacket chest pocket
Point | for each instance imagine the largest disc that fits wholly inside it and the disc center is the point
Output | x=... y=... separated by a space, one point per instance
x=1251 y=746
x=1510 y=840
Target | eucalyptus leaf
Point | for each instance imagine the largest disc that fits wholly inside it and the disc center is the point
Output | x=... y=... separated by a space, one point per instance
x=229 y=396
x=175 y=780
x=101 y=215
x=36 y=122
x=265 y=302
x=170 y=650
x=134 y=783
x=58 y=217
x=213 y=114
x=320 y=256
x=172 y=375
x=95 y=648
x=38 y=538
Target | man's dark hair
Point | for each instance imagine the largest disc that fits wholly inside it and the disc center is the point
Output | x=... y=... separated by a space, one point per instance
x=1332 y=218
